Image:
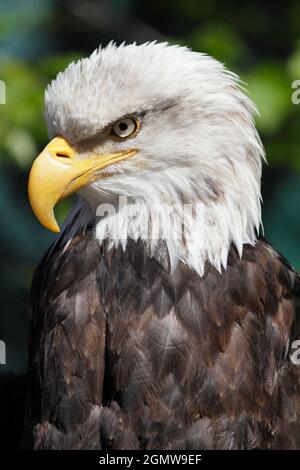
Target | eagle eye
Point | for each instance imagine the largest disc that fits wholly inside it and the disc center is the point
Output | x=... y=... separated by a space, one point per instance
x=125 y=127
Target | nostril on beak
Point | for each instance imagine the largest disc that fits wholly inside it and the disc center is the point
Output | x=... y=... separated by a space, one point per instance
x=62 y=155
x=59 y=148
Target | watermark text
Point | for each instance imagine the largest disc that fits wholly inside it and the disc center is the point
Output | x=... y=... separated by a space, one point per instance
x=2 y=353
x=2 y=92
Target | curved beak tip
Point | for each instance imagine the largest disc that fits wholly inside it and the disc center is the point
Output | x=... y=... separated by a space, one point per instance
x=53 y=228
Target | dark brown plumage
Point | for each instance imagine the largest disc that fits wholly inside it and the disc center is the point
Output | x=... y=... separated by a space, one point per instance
x=127 y=355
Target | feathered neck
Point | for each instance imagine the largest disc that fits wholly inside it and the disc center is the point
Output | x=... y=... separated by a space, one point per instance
x=198 y=218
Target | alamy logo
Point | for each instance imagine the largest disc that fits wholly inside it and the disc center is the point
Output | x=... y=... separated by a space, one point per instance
x=296 y=94
x=295 y=356
x=2 y=92
x=2 y=353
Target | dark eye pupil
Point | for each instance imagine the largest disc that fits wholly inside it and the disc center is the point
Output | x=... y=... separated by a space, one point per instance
x=123 y=126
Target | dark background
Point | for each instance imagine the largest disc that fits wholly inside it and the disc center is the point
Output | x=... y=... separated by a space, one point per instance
x=256 y=39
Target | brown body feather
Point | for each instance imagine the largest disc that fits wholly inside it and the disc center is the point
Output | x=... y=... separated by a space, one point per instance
x=126 y=354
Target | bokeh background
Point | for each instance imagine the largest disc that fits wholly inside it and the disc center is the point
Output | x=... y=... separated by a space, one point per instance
x=259 y=40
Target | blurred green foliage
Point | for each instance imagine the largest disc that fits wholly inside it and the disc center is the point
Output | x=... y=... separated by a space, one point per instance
x=259 y=40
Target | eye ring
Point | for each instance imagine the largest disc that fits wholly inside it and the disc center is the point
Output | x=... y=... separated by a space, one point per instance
x=125 y=127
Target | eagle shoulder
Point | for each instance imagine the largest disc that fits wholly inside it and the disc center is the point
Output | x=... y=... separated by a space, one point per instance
x=66 y=347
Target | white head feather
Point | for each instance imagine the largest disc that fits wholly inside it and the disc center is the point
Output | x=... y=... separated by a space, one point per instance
x=197 y=145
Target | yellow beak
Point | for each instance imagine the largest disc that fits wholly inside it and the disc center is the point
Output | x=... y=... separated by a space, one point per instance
x=58 y=171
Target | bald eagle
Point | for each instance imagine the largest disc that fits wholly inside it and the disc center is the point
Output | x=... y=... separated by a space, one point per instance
x=160 y=318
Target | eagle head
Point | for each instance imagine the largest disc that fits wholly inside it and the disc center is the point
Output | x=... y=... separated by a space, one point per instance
x=164 y=127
